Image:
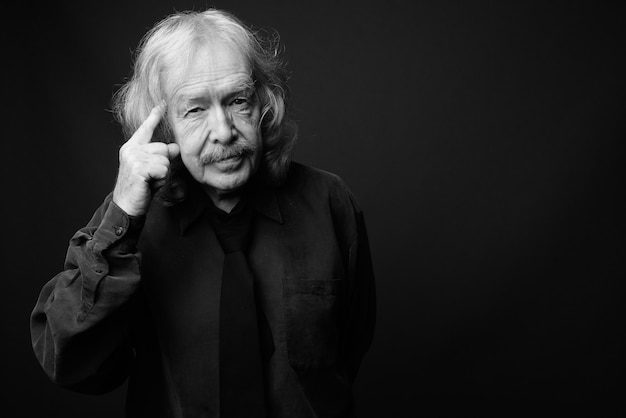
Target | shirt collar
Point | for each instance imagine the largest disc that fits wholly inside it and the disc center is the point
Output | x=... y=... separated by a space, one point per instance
x=262 y=198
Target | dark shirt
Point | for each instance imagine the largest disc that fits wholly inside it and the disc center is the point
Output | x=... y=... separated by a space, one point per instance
x=139 y=299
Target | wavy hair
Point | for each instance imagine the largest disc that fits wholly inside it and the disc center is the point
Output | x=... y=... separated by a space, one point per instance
x=172 y=42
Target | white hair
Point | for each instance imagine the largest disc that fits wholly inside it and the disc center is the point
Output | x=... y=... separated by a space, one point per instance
x=173 y=41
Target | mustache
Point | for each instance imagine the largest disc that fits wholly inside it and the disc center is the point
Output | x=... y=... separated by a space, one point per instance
x=221 y=152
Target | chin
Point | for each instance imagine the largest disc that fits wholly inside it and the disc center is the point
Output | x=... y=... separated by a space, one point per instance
x=224 y=179
x=228 y=182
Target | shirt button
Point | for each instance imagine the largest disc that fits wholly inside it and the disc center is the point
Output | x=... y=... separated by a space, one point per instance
x=119 y=230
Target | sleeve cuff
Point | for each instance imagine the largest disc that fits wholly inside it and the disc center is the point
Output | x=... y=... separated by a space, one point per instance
x=118 y=231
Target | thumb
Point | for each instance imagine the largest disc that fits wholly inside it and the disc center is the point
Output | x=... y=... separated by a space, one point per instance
x=173 y=151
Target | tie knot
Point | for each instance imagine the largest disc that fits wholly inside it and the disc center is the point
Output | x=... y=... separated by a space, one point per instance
x=232 y=229
x=234 y=240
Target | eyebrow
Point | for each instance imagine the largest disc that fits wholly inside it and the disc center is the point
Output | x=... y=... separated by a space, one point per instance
x=238 y=87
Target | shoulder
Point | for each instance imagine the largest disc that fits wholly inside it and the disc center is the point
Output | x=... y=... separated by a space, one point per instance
x=303 y=179
x=317 y=196
x=319 y=189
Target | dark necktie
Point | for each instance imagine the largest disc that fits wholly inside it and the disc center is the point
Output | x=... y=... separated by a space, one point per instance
x=240 y=363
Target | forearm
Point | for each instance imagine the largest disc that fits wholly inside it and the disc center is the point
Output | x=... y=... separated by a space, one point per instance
x=79 y=327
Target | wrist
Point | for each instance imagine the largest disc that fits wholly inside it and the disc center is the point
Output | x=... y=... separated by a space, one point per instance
x=127 y=206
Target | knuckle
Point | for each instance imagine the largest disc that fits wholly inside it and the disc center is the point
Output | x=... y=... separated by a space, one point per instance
x=159 y=172
x=127 y=155
x=123 y=153
x=161 y=147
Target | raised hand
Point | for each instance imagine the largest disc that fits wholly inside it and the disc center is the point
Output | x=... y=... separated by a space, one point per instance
x=143 y=166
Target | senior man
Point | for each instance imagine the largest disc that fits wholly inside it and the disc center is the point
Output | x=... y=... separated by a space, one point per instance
x=220 y=278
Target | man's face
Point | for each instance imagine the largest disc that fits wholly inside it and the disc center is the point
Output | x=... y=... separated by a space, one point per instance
x=214 y=115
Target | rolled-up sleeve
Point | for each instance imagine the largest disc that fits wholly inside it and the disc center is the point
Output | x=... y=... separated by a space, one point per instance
x=80 y=323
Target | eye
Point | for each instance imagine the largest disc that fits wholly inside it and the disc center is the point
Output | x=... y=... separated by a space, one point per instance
x=239 y=101
x=241 y=104
x=193 y=110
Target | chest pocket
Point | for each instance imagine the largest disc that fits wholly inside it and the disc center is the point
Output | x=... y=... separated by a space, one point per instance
x=311 y=310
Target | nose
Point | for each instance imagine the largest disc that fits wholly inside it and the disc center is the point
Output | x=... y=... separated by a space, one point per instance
x=221 y=127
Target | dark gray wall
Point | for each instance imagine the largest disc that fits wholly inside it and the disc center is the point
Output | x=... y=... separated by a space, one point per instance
x=480 y=139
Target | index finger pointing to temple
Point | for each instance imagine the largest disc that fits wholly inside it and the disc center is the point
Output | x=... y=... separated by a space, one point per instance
x=143 y=134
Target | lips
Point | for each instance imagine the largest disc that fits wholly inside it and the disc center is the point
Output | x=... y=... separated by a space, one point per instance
x=229 y=164
x=229 y=158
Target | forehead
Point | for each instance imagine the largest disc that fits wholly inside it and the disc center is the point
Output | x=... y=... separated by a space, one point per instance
x=214 y=66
